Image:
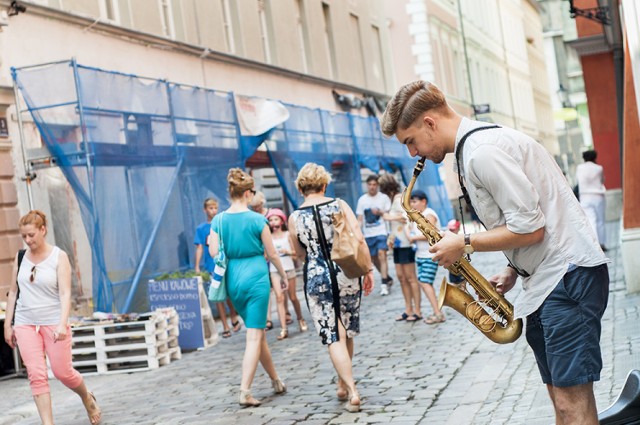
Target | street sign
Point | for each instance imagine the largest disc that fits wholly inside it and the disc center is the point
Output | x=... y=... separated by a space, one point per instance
x=184 y=296
x=483 y=108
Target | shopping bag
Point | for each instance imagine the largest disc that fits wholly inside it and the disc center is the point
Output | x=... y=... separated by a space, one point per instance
x=218 y=287
x=350 y=253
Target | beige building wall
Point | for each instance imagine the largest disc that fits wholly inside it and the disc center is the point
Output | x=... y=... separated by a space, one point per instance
x=296 y=51
x=10 y=240
x=501 y=67
x=344 y=41
x=542 y=93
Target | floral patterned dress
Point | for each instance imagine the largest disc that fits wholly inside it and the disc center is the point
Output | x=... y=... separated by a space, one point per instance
x=330 y=295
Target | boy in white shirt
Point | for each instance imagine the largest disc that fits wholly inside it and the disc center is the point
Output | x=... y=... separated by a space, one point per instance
x=427 y=268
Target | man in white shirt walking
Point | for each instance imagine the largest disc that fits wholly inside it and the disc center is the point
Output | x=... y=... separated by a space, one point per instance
x=370 y=209
x=591 y=189
x=530 y=214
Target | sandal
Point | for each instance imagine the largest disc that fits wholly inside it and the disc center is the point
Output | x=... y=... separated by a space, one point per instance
x=93 y=411
x=236 y=325
x=303 y=325
x=284 y=333
x=245 y=399
x=413 y=318
x=269 y=325
x=402 y=317
x=350 y=406
x=435 y=318
x=226 y=334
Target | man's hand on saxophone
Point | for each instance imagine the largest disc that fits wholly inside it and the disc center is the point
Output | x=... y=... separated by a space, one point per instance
x=504 y=281
x=449 y=249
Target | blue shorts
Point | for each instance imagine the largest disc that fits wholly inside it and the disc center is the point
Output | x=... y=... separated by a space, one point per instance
x=427 y=269
x=404 y=255
x=376 y=243
x=564 y=332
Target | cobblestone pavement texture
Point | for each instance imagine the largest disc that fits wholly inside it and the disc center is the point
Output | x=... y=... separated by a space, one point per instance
x=407 y=373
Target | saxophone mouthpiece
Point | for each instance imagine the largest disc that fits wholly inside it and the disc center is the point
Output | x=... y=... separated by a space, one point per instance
x=419 y=166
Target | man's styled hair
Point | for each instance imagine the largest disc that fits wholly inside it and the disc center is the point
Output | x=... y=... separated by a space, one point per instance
x=408 y=103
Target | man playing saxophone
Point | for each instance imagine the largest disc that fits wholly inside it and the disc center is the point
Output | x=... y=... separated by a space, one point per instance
x=530 y=214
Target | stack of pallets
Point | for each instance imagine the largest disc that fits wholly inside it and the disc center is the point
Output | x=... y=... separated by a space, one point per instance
x=118 y=347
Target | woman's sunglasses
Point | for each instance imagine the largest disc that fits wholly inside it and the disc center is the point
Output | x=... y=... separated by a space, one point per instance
x=33 y=274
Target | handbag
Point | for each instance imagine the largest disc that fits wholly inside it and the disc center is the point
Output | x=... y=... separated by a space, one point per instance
x=349 y=252
x=218 y=287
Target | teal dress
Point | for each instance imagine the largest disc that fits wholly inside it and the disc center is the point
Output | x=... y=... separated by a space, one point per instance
x=247 y=276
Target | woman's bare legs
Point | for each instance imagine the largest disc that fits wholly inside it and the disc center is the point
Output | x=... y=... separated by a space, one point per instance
x=43 y=403
x=235 y=318
x=93 y=410
x=409 y=273
x=405 y=285
x=223 y=316
x=275 y=285
x=430 y=292
x=256 y=350
x=342 y=389
x=341 y=354
x=291 y=291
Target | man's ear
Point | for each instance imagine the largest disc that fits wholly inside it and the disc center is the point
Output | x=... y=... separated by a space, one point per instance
x=429 y=122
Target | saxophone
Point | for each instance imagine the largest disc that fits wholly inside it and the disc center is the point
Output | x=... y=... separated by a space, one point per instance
x=492 y=314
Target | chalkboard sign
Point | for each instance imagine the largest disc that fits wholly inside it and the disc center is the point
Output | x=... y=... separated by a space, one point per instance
x=184 y=296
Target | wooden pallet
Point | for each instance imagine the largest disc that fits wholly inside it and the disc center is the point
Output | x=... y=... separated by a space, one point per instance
x=148 y=343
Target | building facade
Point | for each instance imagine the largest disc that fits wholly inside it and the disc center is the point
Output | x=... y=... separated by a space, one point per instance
x=483 y=54
x=296 y=51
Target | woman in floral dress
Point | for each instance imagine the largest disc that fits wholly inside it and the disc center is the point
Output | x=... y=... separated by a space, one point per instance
x=332 y=298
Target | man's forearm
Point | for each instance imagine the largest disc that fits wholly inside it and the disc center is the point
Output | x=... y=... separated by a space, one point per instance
x=501 y=239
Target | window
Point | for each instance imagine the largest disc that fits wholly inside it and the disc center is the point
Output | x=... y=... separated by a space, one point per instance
x=266 y=31
x=109 y=11
x=378 y=54
x=228 y=27
x=356 y=36
x=303 y=34
x=329 y=41
x=166 y=14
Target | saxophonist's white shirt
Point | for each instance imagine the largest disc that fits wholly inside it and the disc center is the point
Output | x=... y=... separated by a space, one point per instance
x=513 y=180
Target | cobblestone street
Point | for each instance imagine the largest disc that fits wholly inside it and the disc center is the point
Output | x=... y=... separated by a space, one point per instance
x=407 y=373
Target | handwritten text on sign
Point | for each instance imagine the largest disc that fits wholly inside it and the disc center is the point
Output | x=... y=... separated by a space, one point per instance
x=181 y=294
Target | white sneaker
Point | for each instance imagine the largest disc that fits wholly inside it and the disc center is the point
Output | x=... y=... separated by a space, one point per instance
x=384 y=289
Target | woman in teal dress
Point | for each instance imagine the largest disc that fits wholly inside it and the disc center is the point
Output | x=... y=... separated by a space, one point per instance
x=246 y=239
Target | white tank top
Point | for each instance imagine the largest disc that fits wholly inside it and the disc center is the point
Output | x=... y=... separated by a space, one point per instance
x=282 y=244
x=39 y=301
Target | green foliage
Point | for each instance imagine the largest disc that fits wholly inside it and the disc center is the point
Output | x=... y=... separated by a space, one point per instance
x=206 y=277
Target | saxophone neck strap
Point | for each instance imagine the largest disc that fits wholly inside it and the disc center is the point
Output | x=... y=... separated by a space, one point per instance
x=458 y=153
x=465 y=194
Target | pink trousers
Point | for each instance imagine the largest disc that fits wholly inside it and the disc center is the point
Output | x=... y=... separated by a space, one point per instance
x=36 y=341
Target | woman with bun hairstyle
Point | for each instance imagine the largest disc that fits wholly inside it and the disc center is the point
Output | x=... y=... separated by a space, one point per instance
x=332 y=298
x=39 y=304
x=278 y=223
x=246 y=239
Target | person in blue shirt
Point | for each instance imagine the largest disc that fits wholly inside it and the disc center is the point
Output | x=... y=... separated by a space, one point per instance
x=202 y=249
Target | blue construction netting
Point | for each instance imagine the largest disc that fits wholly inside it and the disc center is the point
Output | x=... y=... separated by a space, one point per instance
x=142 y=154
